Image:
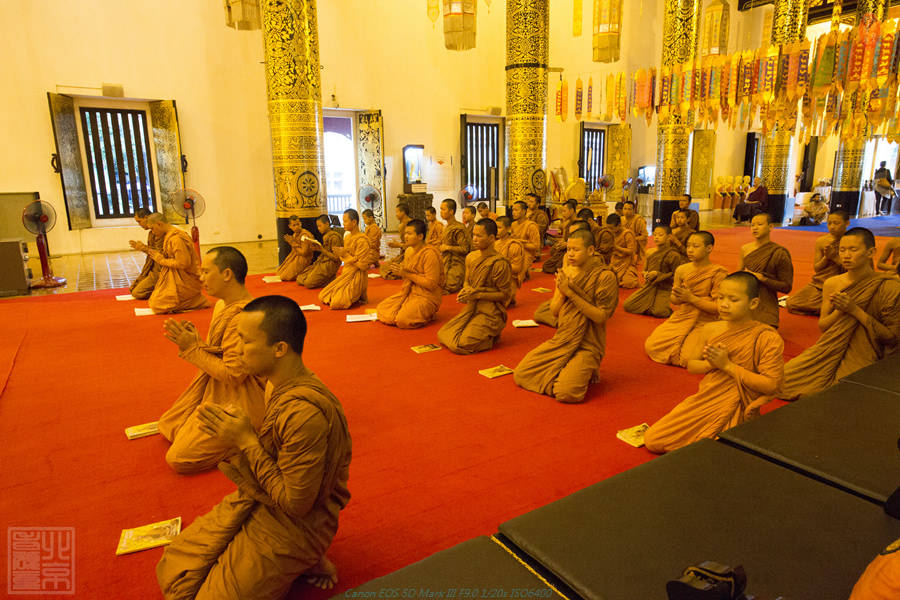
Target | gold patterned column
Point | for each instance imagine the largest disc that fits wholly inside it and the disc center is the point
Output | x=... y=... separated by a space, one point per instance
x=877 y=8
x=776 y=165
x=527 y=53
x=293 y=85
x=681 y=29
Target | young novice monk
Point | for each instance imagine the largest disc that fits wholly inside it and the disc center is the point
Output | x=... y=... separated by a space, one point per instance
x=558 y=249
x=455 y=244
x=536 y=214
x=435 y=227
x=373 y=237
x=484 y=212
x=543 y=313
x=419 y=297
x=681 y=231
x=326 y=265
x=468 y=219
x=301 y=251
x=624 y=257
x=350 y=286
x=826 y=263
x=771 y=264
x=860 y=321
x=654 y=297
x=638 y=225
x=694 y=293
x=743 y=366
x=527 y=231
x=486 y=293
x=512 y=249
x=585 y=298
x=143 y=285
x=402 y=213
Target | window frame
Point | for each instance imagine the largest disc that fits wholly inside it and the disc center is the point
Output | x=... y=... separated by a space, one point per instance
x=499 y=179
x=585 y=126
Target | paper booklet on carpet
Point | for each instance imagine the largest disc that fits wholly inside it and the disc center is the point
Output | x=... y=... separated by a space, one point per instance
x=306 y=307
x=271 y=278
x=371 y=311
x=143 y=312
x=139 y=431
x=361 y=318
x=148 y=536
x=425 y=348
x=540 y=290
x=633 y=435
x=373 y=275
x=125 y=297
x=498 y=371
x=782 y=301
x=525 y=323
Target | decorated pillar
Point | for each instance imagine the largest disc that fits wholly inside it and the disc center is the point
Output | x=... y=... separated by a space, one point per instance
x=293 y=86
x=788 y=26
x=527 y=54
x=681 y=28
x=847 y=176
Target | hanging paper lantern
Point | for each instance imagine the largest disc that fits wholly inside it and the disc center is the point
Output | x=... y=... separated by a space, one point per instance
x=607 y=27
x=459 y=24
x=578 y=97
x=242 y=14
x=714 y=36
x=434 y=10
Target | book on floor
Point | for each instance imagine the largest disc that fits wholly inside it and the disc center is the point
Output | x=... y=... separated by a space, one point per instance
x=373 y=275
x=307 y=307
x=633 y=435
x=498 y=371
x=425 y=348
x=525 y=323
x=782 y=301
x=139 y=431
x=149 y=536
x=540 y=290
x=271 y=279
x=125 y=297
x=361 y=318
x=143 y=312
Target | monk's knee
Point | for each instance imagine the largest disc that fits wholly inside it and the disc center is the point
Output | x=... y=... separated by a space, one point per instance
x=182 y=465
x=653 y=443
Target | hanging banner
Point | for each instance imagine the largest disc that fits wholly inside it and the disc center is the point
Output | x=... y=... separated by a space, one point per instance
x=610 y=110
x=590 y=97
x=559 y=104
x=578 y=98
x=564 y=100
x=607 y=26
x=576 y=17
x=621 y=96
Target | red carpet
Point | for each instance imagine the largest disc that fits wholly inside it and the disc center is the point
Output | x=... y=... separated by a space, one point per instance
x=441 y=454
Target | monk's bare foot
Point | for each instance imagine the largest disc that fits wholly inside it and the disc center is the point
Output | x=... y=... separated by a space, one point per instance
x=323 y=576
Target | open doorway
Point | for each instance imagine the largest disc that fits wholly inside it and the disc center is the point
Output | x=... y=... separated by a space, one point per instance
x=340 y=163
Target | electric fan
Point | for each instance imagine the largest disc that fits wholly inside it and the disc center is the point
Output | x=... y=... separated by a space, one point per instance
x=369 y=197
x=39 y=218
x=466 y=195
x=190 y=205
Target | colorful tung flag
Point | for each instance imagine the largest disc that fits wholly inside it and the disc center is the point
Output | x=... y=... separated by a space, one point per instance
x=578 y=97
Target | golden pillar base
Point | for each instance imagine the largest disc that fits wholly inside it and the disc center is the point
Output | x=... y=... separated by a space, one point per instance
x=847 y=176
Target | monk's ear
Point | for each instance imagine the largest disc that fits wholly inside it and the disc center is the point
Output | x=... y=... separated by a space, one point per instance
x=228 y=274
x=754 y=303
x=281 y=349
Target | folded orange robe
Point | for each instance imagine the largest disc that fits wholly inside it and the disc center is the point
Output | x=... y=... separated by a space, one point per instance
x=808 y=301
x=350 y=286
x=774 y=262
x=299 y=257
x=881 y=579
x=477 y=327
x=435 y=233
x=373 y=237
x=722 y=401
x=653 y=298
x=528 y=232
x=566 y=364
x=143 y=285
x=626 y=266
x=454 y=261
x=221 y=380
x=178 y=287
x=323 y=270
x=846 y=346
x=666 y=342
x=280 y=521
x=512 y=249
x=414 y=305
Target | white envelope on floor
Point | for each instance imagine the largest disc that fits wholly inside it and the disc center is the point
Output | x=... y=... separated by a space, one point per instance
x=143 y=312
x=271 y=279
x=124 y=297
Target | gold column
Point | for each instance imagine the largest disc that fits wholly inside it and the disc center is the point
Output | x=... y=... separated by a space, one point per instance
x=681 y=29
x=293 y=86
x=527 y=54
x=788 y=26
x=878 y=8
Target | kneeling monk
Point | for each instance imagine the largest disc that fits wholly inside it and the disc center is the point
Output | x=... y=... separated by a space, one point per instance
x=512 y=249
x=694 y=294
x=350 y=286
x=178 y=286
x=585 y=298
x=420 y=295
x=860 y=321
x=301 y=251
x=486 y=292
x=326 y=265
x=743 y=365
x=826 y=264
x=222 y=379
x=654 y=296
x=291 y=476
x=143 y=285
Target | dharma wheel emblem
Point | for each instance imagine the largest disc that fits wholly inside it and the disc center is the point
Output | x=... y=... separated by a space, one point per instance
x=308 y=184
x=538 y=181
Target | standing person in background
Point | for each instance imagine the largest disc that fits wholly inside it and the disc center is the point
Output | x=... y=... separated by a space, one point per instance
x=884 y=189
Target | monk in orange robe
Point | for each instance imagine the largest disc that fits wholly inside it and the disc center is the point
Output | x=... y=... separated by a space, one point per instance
x=694 y=294
x=624 y=257
x=654 y=297
x=681 y=232
x=638 y=226
x=350 y=286
x=178 y=286
x=454 y=247
x=301 y=252
x=326 y=265
x=373 y=237
x=512 y=249
x=534 y=212
x=435 y=227
x=423 y=276
x=468 y=219
x=826 y=264
x=544 y=314
x=486 y=293
x=484 y=212
x=881 y=579
x=585 y=298
x=860 y=321
x=586 y=215
x=221 y=379
x=692 y=217
x=402 y=213
x=771 y=264
x=291 y=475
x=605 y=242
x=890 y=256
x=143 y=285
x=526 y=231
x=741 y=360
x=558 y=251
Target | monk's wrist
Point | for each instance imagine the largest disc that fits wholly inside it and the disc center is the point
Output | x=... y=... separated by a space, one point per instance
x=247 y=442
